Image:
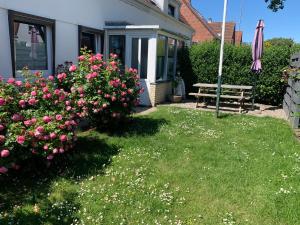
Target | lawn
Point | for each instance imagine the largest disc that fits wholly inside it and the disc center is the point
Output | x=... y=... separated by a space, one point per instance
x=173 y=166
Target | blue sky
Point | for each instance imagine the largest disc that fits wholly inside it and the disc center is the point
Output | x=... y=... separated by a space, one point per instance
x=284 y=23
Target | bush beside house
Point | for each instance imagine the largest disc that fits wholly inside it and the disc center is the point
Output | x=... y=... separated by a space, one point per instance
x=39 y=116
x=204 y=61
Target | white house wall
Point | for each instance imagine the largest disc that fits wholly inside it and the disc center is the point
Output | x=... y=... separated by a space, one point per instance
x=68 y=14
x=5 y=56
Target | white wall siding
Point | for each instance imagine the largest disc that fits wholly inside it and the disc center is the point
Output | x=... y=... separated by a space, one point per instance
x=5 y=55
x=66 y=42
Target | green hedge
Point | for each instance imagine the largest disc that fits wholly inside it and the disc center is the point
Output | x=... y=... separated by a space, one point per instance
x=200 y=64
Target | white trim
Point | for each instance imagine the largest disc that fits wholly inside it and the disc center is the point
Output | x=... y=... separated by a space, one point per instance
x=133 y=27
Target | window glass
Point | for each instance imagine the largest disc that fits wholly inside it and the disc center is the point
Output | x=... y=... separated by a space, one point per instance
x=117 y=46
x=171 y=10
x=88 y=41
x=144 y=58
x=135 y=53
x=171 y=57
x=30 y=46
x=161 y=55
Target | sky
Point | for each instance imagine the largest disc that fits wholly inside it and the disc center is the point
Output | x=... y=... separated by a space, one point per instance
x=284 y=23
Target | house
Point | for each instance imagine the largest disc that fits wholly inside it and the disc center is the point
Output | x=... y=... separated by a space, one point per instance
x=207 y=30
x=146 y=35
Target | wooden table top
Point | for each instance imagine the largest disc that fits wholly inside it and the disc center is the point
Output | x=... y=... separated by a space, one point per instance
x=225 y=86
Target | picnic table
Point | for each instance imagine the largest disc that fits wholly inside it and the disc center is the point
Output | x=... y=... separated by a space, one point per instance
x=239 y=93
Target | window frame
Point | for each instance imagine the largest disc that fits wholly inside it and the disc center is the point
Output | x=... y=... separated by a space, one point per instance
x=174 y=10
x=31 y=19
x=83 y=29
x=125 y=47
x=139 y=57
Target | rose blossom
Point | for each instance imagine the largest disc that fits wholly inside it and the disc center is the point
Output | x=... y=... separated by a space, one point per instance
x=21 y=139
x=32 y=101
x=47 y=119
x=22 y=103
x=1 y=127
x=40 y=129
x=5 y=153
x=72 y=68
x=3 y=170
x=2 y=101
x=53 y=135
x=63 y=138
x=11 y=81
x=28 y=123
x=33 y=93
x=59 y=117
x=2 y=139
x=19 y=83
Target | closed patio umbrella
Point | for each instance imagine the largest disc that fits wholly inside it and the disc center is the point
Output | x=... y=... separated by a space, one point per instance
x=257 y=52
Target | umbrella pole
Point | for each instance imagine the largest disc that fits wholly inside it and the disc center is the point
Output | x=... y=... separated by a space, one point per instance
x=254 y=91
x=221 y=59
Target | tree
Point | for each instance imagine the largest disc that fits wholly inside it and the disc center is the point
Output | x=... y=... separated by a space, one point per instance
x=275 y=5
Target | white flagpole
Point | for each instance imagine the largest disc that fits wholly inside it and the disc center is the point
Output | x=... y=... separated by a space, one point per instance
x=221 y=59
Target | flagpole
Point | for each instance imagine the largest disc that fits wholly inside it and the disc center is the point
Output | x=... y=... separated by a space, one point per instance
x=221 y=58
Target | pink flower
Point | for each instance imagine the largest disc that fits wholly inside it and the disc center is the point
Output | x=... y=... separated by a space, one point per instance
x=56 y=91
x=72 y=68
x=33 y=120
x=51 y=78
x=32 y=101
x=16 y=117
x=4 y=153
x=61 y=76
x=21 y=140
x=58 y=117
x=46 y=147
x=19 y=83
x=55 y=151
x=45 y=89
x=81 y=58
x=11 y=81
x=28 y=123
x=2 y=139
x=22 y=103
x=1 y=127
x=50 y=157
x=47 y=119
x=2 y=101
x=113 y=98
x=63 y=138
x=104 y=105
x=53 y=136
x=40 y=129
x=33 y=93
x=3 y=170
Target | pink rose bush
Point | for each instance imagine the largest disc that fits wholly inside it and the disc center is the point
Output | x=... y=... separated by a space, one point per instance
x=101 y=91
x=34 y=120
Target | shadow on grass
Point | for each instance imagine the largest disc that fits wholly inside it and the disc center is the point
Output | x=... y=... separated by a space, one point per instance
x=138 y=126
x=31 y=186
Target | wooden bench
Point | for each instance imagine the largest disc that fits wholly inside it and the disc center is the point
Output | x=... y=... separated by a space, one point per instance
x=238 y=93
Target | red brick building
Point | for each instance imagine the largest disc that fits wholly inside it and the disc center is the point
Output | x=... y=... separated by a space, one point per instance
x=208 y=30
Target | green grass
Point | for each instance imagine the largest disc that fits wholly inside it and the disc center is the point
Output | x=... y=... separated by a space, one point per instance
x=173 y=166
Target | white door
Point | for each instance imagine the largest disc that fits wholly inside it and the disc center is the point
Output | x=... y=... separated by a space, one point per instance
x=139 y=60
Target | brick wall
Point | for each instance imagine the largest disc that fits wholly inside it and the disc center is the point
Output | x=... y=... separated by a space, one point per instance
x=202 y=33
x=159 y=92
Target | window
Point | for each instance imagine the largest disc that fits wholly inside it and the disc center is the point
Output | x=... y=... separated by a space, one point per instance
x=171 y=57
x=30 y=46
x=92 y=39
x=32 y=41
x=139 y=56
x=117 y=46
x=161 y=57
x=171 y=10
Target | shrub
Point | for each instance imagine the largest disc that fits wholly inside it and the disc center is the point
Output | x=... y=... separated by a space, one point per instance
x=204 y=59
x=36 y=119
x=102 y=92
